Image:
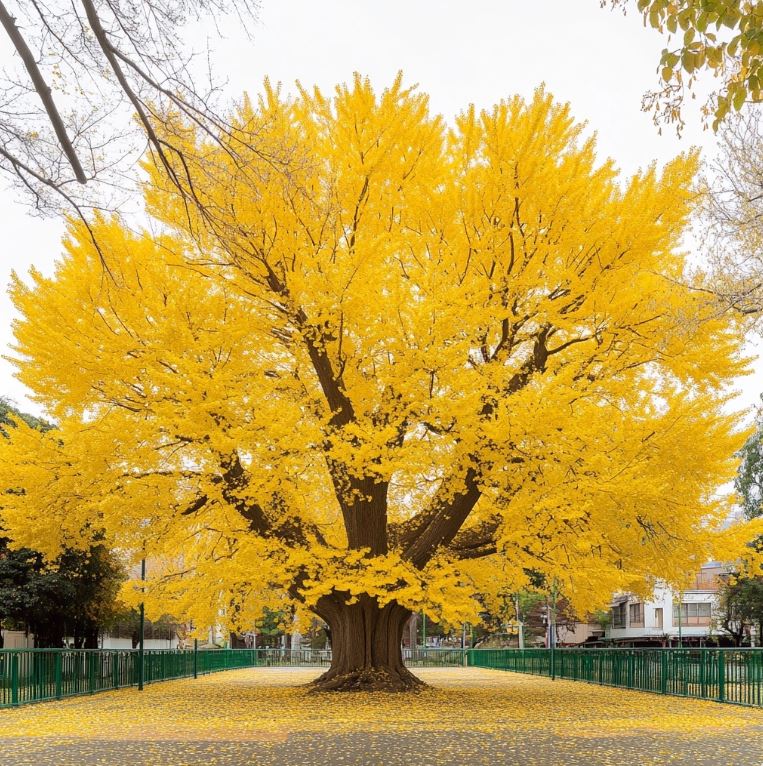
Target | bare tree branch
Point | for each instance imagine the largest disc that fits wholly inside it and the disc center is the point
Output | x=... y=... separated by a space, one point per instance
x=43 y=90
x=103 y=62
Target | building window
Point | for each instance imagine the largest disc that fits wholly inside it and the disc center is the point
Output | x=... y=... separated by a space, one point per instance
x=618 y=616
x=636 y=615
x=691 y=614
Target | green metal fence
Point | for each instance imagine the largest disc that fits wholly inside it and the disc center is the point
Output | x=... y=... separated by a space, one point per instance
x=723 y=675
x=35 y=675
x=430 y=657
x=434 y=658
x=296 y=658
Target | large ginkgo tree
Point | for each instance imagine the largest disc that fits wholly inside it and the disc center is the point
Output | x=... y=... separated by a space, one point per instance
x=385 y=365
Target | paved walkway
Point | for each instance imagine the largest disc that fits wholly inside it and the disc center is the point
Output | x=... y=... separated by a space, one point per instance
x=471 y=717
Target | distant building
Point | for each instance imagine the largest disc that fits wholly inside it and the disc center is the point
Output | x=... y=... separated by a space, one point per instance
x=670 y=616
x=16 y=639
x=578 y=633
x=159 y=635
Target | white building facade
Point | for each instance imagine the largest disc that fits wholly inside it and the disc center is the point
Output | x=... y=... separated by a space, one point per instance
x=670 y=617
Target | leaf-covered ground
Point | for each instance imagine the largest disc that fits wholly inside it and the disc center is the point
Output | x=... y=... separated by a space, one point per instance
x=262 y=717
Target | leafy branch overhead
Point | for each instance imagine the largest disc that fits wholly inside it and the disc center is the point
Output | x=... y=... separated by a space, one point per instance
x=722 y=37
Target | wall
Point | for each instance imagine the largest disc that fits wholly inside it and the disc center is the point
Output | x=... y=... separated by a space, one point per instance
x=107 y=642
x=17 y=639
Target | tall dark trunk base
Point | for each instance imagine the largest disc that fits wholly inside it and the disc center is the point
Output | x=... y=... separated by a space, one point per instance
x=365 y=643
x=378 y=679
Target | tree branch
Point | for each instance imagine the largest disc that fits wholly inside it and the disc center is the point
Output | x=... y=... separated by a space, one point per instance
x=277 y=524
x=362 y=500
x=440 y=523
x=477 y=541
x=110 y=52
x=43 y=91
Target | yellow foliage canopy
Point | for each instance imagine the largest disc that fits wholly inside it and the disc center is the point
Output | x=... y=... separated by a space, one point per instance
x=381 y=356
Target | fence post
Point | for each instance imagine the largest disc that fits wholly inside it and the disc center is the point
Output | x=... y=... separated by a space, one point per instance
x=15 y=679
x=195 y=657
x=91 y=672
x=663 y=672
x=721 y=676
x=703 y=673
x=57 y=659
x=33 y=686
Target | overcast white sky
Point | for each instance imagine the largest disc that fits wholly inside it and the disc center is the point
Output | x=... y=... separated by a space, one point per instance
x=460 y=53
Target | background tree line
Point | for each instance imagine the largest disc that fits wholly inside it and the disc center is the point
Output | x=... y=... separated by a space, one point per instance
x=73 y=597
x=740 y=599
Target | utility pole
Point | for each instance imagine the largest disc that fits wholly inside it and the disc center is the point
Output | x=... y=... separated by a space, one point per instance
x=424 y=630
x=680 y=609
x=552 y=630
x=142 y=627
x=520 y=623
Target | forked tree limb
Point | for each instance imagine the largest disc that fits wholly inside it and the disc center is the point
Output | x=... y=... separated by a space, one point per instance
x=476 y=541
x=362 y=499
x=277 y=523
x=438 y=525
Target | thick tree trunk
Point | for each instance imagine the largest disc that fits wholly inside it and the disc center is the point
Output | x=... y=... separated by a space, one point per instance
x=365 y=644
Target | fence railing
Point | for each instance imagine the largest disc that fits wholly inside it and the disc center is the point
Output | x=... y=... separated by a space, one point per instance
x=35 y=675
x=297 y=658
x=434 y=658
x=430 y=657
x=723 y=675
